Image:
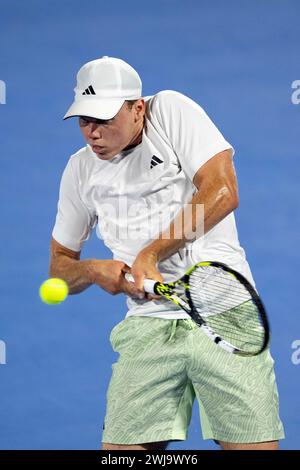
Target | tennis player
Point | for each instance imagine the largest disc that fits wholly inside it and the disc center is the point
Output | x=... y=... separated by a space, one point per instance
x=157 y=179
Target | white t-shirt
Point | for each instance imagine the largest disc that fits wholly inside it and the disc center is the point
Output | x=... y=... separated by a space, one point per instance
x=136 y=194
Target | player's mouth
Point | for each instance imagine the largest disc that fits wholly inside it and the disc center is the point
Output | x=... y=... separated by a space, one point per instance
x=98 y=149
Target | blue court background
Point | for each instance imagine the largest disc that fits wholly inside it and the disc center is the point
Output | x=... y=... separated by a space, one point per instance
x=238 y=60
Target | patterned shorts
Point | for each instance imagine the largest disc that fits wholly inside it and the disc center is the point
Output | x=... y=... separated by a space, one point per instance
x=164 y=364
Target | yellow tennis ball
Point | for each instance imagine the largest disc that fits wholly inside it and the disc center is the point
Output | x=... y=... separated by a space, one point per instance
x=54 y=291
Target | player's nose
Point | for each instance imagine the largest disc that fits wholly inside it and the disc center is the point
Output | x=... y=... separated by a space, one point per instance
x=94 y=129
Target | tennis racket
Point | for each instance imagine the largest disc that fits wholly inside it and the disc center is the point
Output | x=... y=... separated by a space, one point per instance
x=222 y=302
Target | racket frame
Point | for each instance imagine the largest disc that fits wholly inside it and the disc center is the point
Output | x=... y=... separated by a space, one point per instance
x=167 y=290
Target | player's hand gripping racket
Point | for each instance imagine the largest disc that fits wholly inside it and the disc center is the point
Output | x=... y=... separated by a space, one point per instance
x=222 y=303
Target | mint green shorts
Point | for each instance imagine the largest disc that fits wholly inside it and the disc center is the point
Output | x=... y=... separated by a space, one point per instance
x=164 y=364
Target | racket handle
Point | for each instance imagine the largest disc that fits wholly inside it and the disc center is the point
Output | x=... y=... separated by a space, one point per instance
x=148 y=283
x=149 y=286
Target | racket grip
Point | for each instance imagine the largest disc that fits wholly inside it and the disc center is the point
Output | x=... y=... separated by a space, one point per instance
x=149 y=286
x=148 y=283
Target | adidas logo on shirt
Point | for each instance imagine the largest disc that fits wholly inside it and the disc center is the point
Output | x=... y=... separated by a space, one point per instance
x=155 y=161
x=89 y=91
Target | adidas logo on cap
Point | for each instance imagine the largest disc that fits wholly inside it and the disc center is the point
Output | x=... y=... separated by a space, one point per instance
x=89 y=91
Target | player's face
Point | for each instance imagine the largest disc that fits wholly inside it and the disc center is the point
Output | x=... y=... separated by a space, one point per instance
x=108 y=138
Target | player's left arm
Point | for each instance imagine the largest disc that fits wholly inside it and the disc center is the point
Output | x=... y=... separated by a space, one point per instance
x=217 y=192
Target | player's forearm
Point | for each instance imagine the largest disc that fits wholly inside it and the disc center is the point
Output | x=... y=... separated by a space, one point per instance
x=206 y=209
x=77 y=274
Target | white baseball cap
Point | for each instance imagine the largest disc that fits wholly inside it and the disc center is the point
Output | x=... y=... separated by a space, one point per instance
x=102 y=87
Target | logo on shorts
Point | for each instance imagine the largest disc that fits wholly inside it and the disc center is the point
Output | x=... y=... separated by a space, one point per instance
x=155 y=161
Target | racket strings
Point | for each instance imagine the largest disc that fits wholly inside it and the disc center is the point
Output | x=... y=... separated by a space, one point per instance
x=250 y=314
x=233 y=323
x=231 y=327
x=250 y=338
x=227 y=307
x=223 y=289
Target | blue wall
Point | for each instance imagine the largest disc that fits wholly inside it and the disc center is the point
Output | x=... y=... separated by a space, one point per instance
x=238 y=60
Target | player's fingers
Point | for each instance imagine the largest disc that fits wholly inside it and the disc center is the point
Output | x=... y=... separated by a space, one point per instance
x=131 y=289
x=139 y=283
x=153 y=297
x=126 y=268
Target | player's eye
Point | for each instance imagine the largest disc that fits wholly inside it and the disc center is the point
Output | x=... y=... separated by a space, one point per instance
x=83 y=121
x=106 y=122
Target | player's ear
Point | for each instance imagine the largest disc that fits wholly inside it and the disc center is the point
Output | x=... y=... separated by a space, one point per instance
x=139 y=107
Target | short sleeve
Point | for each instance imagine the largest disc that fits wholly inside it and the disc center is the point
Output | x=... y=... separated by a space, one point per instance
x=74 y=221
x=192 y=134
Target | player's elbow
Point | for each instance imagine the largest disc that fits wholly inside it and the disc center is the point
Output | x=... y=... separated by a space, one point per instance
x=229 y=196
x=234 y=200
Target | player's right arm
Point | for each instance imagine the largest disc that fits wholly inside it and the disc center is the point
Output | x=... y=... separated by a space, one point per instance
x=74 y=222
x=81 y=274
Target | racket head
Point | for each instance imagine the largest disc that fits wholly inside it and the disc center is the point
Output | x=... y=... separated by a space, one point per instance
x=223 y=301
